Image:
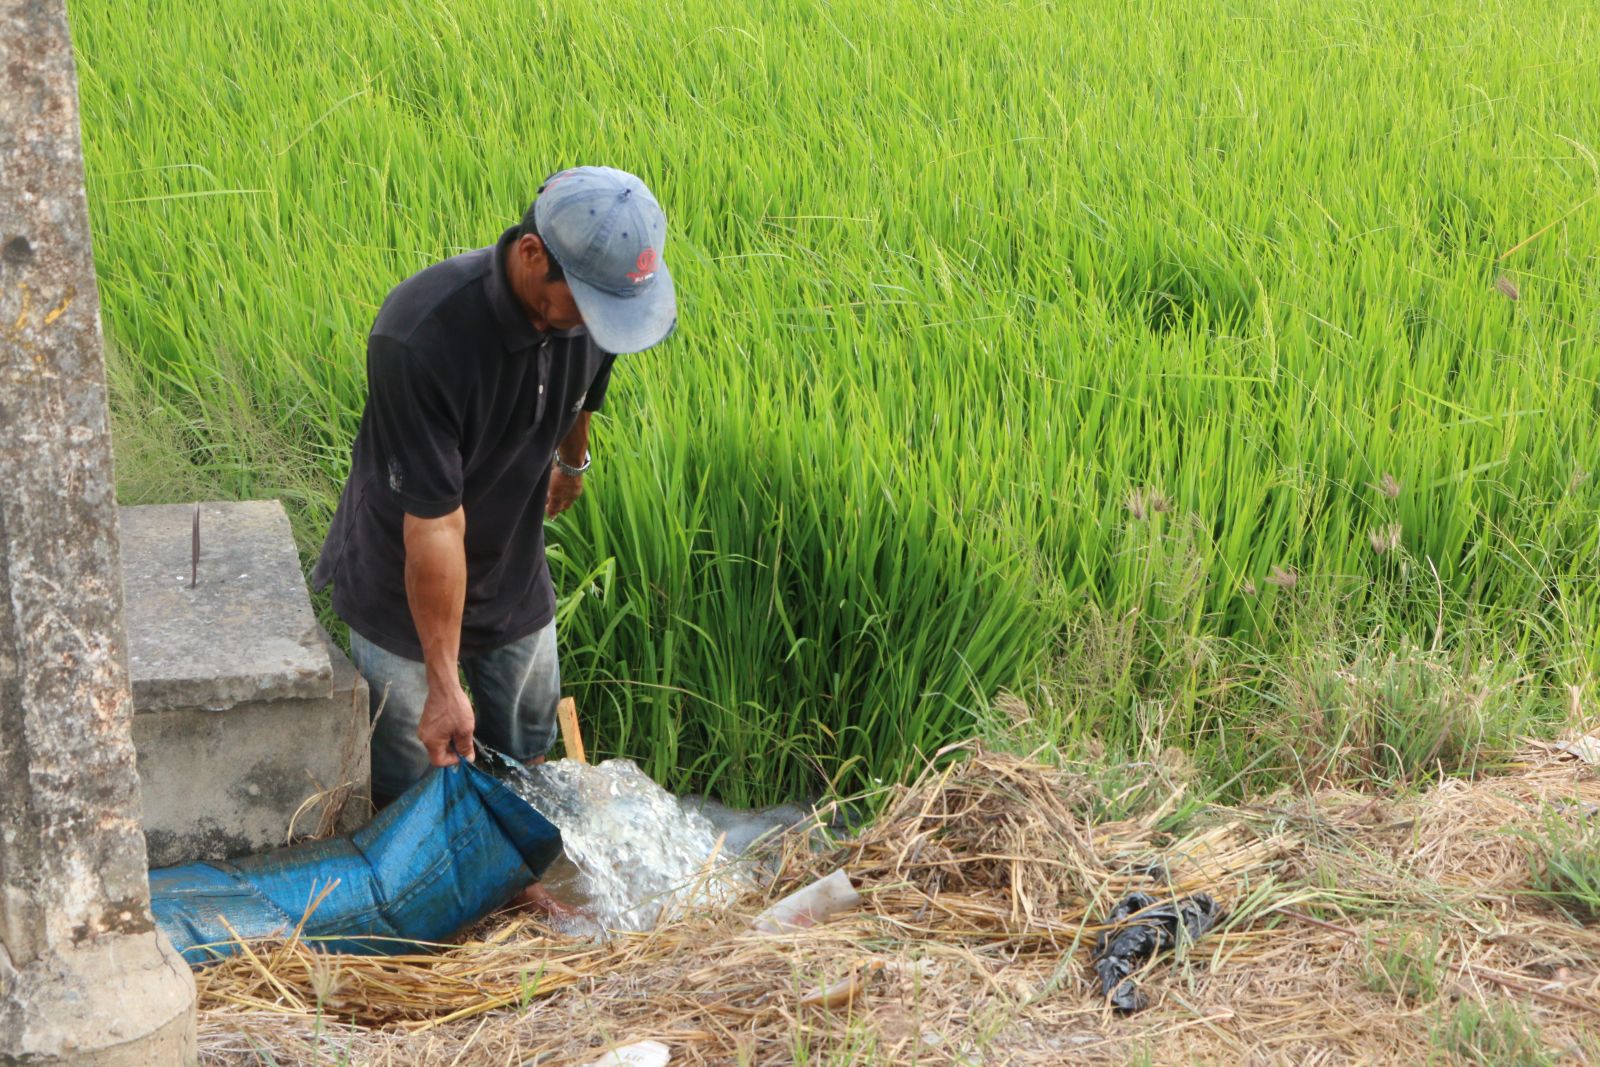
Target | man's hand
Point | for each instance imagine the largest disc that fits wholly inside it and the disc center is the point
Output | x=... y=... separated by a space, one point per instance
x=574 y=451
x=446 y=717
x=564 y=489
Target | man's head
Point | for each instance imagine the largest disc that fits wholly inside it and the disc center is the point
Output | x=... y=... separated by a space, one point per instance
x=589 y=252
x=539 y=282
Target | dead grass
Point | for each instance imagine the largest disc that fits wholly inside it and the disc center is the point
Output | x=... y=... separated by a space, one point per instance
x=981 y=883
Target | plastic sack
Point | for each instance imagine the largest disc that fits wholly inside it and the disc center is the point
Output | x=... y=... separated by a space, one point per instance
x=1142 y=926
x=451 y=849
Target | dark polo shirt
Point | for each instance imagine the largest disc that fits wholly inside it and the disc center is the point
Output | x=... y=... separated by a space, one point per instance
x=466 y=403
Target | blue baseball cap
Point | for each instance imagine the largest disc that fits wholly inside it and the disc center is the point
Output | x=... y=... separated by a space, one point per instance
x=607 y=231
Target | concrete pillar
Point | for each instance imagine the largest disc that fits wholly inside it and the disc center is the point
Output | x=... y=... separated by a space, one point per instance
x=84 y=977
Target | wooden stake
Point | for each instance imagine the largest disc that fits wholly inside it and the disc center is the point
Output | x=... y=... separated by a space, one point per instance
x=571 y=735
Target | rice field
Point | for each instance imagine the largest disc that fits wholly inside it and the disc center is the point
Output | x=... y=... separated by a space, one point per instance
x=1215 y=378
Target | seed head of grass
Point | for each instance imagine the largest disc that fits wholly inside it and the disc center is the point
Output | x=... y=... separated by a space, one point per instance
x=1136 y=505
x=1385 y=540
x=1144 y=501
x=1013 y=709
x=1388 y=485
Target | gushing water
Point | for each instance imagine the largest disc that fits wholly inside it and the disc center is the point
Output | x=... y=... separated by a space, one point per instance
x=639 y=855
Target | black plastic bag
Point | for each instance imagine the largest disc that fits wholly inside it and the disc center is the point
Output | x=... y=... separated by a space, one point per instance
x=1147 y=926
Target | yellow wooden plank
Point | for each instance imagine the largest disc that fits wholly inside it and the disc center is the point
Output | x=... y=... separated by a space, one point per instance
x=571 y=735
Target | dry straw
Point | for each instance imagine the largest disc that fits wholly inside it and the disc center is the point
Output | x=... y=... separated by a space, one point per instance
x=981 y=883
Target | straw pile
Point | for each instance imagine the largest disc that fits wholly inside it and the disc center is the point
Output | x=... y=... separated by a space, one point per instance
x=981 y=884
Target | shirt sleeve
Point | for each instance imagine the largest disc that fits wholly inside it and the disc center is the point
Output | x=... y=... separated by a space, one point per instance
x=416 y=428
x=597 y=388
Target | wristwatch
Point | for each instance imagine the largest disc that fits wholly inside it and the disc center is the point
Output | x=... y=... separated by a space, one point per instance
x=569 y=470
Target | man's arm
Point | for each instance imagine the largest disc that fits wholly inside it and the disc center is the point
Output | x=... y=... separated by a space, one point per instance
x=436 y=589
x=564 y=488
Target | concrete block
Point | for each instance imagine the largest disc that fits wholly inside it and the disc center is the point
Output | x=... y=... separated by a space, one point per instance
x=219 y=784
x=245 y=631
x=245 y=711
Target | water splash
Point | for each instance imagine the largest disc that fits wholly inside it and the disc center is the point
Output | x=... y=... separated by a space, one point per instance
x=639 y=855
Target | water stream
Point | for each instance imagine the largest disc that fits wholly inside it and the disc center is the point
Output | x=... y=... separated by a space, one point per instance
x=636 y=853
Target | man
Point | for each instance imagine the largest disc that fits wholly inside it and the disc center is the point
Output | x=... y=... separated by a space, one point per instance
x=482 y=372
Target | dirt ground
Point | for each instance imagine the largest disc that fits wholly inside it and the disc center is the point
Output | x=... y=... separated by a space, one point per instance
x=1358 y=929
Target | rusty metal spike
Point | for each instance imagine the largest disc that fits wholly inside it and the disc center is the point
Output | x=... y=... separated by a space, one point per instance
x=194 y=556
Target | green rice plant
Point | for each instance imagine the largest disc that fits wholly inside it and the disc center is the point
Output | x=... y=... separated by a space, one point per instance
x=1564 y=862
x=968 y=289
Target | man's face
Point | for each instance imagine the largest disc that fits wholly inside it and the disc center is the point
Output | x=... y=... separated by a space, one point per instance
x=549 y=304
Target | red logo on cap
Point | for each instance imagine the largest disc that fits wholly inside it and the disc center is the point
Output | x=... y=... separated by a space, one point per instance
x=644 y=267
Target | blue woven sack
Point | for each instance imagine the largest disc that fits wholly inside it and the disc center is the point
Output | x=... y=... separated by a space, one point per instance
x=454 y=847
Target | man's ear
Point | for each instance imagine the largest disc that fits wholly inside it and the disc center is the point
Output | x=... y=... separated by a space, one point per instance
x=531 y=247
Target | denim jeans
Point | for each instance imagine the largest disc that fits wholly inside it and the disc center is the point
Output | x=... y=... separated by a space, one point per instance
x=514 y=691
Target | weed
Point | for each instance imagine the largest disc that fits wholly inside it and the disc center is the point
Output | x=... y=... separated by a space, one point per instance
x=1405 y=965
x=1490 y=1035
x=530 y=982
x=1395 y=718
x=1564 y=861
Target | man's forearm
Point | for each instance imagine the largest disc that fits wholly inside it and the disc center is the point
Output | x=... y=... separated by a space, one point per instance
x=436 y=589
x=575 y=446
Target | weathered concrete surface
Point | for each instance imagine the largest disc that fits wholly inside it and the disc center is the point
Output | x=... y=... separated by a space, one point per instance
x=244 y=711
x=83 y=975
x=245 y=632
x=229 y=783
x=95 y=1007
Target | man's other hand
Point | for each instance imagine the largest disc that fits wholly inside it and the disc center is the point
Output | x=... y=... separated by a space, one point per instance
x=564 y=489
x=446 y=717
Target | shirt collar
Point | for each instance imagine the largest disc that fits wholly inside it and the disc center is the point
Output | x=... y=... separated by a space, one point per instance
x=515 y=329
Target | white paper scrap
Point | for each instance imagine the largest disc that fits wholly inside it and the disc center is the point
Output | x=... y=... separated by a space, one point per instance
x=638 y=1054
